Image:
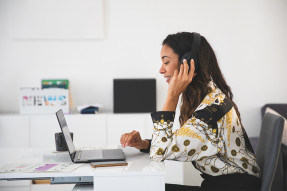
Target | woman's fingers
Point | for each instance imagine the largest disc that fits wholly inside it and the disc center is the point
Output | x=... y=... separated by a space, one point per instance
x=130 y=139
x=134 y=140
x=181 y=70
x=186 y=66
x=191 y=71
x=186 y=72
x=123 y=138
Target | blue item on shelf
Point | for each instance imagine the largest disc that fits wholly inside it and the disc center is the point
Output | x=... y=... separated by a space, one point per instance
x=90 y=110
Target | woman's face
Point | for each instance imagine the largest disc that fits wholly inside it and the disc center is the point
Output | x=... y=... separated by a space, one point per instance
x=169 y=62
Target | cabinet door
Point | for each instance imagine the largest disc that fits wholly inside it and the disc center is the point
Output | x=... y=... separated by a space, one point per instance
x=14 y=131
x=19 y=185
x=182 y=173
x=174 y=172
x=88 y=130
x=43 y=129
x=148 y=129
x=118 y=124
x=191 y=176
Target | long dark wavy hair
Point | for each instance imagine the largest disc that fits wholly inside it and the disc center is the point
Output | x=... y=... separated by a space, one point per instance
x=208 y=69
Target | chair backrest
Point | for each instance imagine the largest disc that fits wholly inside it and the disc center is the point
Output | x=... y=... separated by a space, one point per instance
x=269 y=148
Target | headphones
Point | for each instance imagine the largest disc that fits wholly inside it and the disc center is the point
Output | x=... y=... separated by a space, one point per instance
x=193 y=53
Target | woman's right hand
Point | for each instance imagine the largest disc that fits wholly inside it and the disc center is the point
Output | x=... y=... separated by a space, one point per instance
x=179 y=82
x=181 y=79
x=133 y=139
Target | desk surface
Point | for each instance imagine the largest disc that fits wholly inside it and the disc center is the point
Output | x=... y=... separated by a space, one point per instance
x=138 y=164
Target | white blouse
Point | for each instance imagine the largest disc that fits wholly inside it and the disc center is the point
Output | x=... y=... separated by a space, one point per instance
x=213 y=138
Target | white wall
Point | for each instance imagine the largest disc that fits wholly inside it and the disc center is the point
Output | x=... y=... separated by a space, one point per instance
x=249 y=37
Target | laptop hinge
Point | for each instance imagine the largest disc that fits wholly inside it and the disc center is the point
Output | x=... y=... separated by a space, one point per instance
x=73 y=156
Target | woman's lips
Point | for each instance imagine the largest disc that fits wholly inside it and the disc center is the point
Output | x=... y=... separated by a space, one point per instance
x=167 y=78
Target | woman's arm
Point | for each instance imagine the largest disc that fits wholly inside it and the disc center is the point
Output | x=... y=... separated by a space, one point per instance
x=186 y=144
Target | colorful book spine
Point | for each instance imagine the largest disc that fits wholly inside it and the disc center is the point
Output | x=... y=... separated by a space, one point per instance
x=55 y=83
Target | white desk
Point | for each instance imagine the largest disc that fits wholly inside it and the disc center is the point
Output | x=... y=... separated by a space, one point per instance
x=140 y=174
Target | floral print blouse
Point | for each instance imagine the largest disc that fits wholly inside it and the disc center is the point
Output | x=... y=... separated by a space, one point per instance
x=213 y=138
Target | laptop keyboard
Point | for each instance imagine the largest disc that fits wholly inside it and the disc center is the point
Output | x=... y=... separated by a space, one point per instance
x=97 y=147
x=90 y=154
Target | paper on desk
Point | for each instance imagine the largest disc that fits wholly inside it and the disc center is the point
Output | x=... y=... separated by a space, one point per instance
x=54 y=167
x=39 y=167
x=11 y=168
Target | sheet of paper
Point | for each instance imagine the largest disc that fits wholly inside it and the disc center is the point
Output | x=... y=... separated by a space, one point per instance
x=16 y=168
x=54 y=167
x=39 y=167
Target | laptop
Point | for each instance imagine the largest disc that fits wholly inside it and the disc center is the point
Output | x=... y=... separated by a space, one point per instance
x=87 y=156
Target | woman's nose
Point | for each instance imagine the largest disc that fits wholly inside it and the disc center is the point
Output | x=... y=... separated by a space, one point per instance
x=162 y=70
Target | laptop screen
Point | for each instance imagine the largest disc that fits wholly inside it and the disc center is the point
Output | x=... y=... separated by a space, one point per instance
x=65 y=130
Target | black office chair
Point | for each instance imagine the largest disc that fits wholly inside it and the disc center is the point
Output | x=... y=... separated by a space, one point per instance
x=268 y=152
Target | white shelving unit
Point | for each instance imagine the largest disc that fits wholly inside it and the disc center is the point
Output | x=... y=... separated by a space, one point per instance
x=38 y=131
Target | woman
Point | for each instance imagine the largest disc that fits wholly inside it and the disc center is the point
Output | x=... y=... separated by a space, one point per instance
x=211 y=134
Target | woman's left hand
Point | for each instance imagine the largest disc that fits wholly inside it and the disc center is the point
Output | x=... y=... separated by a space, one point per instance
x=178 y=84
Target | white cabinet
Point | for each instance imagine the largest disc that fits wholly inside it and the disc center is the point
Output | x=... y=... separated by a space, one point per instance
x=88 y=130
x=14 y=131
x=43 y=129
x=38 y=131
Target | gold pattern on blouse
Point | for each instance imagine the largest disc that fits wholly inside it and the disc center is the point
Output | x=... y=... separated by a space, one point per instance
x=187 y=132
x=229 y=126
x=209 y=99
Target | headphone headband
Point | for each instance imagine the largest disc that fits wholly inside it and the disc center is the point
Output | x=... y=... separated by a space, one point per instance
x=195 y=43
x=193 y=53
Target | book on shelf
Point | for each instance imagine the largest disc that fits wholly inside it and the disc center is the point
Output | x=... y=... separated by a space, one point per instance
x=55 y=83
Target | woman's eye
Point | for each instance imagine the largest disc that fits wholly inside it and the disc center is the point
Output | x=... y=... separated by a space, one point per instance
x=166 y=63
